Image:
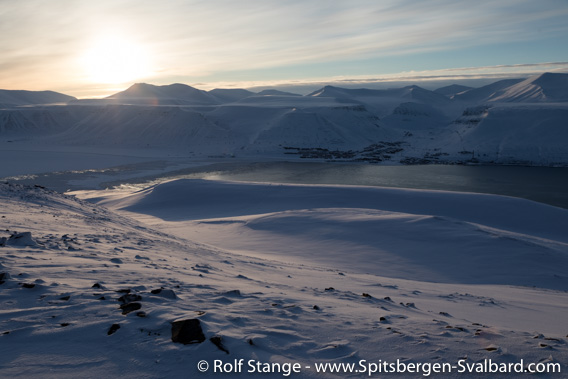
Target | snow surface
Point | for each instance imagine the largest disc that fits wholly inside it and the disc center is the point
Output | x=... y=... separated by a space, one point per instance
x=280 y=273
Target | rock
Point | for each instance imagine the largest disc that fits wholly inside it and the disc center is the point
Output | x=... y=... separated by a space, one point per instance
x=65 y=298
x=141 y=314
x=96 y=285
x=130 y=307
x=3 y=277
x=28 y=285
x=316 y=307
x=366 y=295
x=330 y=289
x=187 y=331
x=217 y=341
x=113 y=328
x=129 y=298
x=21 y=239
x=168 y=294
x=116 y=260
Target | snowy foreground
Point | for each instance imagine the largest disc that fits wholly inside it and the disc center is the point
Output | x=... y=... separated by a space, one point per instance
x=278 y=275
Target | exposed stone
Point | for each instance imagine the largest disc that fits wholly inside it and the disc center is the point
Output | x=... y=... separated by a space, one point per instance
x=187 y=331
x=130 y=307
x=21 y=239
x=217 y=341
x=129 y=298
x=169 y=294
x=113 y=328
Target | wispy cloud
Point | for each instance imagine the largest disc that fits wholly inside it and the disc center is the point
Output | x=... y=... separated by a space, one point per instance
x=203 y=40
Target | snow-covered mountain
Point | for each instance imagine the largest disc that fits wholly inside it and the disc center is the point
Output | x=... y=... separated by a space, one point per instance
x=409 y=93
x=173 y=94
x=10 y=98
x=225 y=95
x=452 y=90
x=509 y=121
x=274 y=92
x=548 y=87
x=486 y=93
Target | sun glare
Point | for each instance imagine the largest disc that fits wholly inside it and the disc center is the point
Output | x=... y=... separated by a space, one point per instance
x=115 y=60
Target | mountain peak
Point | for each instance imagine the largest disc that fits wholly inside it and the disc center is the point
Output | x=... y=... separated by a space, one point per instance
x=171 y=94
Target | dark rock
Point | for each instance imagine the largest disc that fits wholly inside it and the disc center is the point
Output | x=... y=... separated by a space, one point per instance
x=330 y=289
x=126 y=290
x=129 y=298
x=21 y=239
x=65 y=298
x=250 y=342
x=383 y=319
x=316 y=308
x=387 y=298
x=113 y=329
x=102 y=298
x=96 y=285
x=130 y=307
x=217 y=341
x=141 y=314
x=366 y=295
x=187 y=331
x=169 y=294
x=3 y=277
x=64 y=324
x=233 y=293
x=28 y=285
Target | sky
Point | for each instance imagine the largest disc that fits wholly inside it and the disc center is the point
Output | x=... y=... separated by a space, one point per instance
x=96 y=48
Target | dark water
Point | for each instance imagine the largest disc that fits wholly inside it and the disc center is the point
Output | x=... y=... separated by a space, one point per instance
x=544 y=184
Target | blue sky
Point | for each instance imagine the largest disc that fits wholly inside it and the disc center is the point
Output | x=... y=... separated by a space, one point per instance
x=93 y=48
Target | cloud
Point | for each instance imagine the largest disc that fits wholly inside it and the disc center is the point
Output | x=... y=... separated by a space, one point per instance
x=204 y=40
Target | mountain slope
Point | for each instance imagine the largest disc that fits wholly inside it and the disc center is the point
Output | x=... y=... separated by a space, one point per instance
x=230 y=95
x=274 y=92
x=486 y=93
x=548 y=87
x=172 y=128
x=17 y=97
x=452 y=90
x=173 y=94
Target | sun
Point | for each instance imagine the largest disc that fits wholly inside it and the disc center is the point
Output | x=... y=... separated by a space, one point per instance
x=113 y=60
